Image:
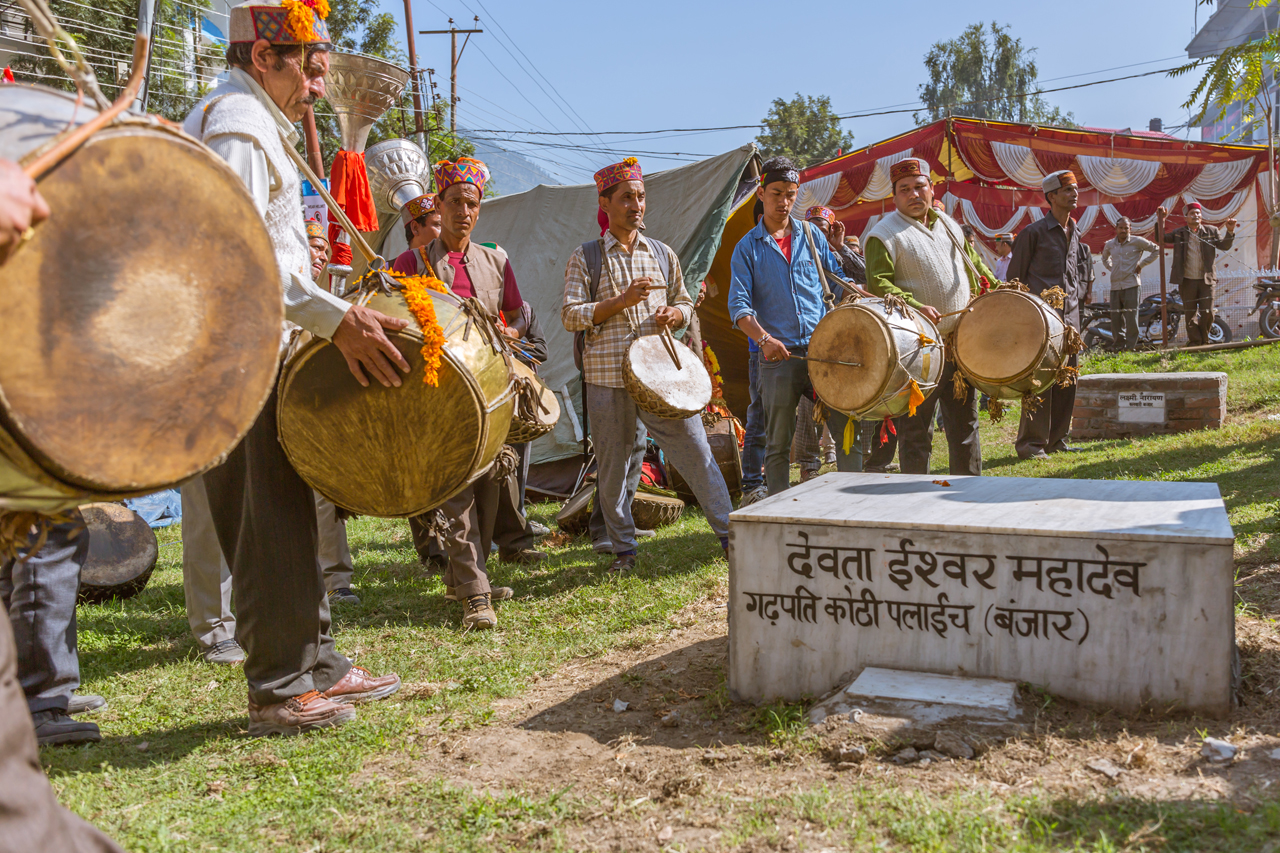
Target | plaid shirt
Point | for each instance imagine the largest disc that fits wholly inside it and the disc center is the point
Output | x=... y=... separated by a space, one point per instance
x=607 y=343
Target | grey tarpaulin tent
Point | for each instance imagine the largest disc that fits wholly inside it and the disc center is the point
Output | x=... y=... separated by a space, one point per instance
x=686 y=208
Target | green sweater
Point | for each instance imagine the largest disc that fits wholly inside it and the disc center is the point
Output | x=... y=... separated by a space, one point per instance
x=880 y=273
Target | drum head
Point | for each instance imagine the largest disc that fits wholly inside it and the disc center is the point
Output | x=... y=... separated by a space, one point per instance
x=855 y=335
x=687 y=389
x=142 y=320
x=1002 y=337
x=122 y=553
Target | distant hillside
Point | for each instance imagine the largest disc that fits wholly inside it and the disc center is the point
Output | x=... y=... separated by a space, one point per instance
x=511 y=173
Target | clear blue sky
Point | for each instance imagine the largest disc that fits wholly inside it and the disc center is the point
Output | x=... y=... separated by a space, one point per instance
x=668 y=64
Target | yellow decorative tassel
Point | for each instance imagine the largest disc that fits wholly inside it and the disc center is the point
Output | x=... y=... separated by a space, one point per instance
x=1055 y=297
x=850 y=435
x=995 y=408
x=1014 y=284
x=914 y=398
x=1067 y=376
x=1072 y=343
x=959 y=388
x=925 y=340
x=1030 y=403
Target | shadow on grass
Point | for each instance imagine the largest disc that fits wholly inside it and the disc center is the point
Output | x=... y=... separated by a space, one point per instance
x=160 y=746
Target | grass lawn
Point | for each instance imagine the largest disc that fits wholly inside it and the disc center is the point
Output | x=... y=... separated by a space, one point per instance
x=176 y=771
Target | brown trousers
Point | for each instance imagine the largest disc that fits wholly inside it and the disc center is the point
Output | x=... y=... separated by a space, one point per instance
x=1197 y=309
x=1049 y=427
x=30 y=817
x=472 y=514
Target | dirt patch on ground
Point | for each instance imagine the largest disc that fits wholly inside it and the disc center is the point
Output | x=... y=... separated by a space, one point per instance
x=681 y=746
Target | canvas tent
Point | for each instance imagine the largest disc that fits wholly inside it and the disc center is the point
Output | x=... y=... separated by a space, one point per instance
x=988 y=174
x=539 y=229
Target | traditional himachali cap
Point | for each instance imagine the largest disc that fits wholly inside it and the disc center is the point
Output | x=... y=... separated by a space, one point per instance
x=820 y=212
x=910 y=167
x=1058 y=180
x=1192 y=205
x=315 y=228
x=420 y=206
x=627 y=170
x=464 y=170
x=280 y=21
x=1004 y=238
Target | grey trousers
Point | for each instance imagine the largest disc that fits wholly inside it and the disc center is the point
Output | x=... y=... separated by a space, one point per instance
x=782 y=384
x=596 y=526
x=959 y=418
x=1124 y=315
x=206 y=578
x=40 y=596
x=30 y=817
x=265 y=516
x=613 y=431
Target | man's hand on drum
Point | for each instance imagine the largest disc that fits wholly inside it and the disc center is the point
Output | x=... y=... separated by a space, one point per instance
x=930 y=313
x=363 y=343
x=21 y=206
x=668 y=318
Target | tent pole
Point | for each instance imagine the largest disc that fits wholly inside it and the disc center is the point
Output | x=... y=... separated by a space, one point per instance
x=1164 y=295
x=1271 y=174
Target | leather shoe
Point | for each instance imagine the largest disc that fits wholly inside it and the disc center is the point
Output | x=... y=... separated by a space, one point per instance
x=297 y=714
x=1066 y=448
x=360 y=685
x=85 y=704
x=56 y=726
x=478 y=612
x=1039 y=454
x=497 y=593
x=622 y=563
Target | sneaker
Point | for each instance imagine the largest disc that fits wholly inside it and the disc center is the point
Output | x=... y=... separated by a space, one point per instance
x=497 y=593
x=343 y=596
x=226 y=652
x=756 y=495
x=298 y=714
x=622 y=563
x=85 y=704
x=478 y=612
x=537 y=528
x=525 y=557
x=641 y=533
x=56 y=726
x=360 y=685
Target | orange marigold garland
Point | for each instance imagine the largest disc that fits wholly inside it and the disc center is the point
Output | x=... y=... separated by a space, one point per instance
x=299 y=18
x=423 y=308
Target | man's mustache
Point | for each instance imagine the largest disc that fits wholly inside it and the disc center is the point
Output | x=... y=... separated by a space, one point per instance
x=309 y=100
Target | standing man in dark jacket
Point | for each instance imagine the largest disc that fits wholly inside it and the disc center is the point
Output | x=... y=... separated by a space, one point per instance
x=1193 y=270
x=1047 y=254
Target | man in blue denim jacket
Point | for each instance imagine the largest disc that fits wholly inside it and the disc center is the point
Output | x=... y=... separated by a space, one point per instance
x=776 y=297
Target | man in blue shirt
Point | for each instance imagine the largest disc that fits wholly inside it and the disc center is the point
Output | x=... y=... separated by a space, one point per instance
x=777 y=296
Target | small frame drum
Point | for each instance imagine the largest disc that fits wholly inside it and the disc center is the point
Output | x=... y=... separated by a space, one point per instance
x=122 y=553
x=528 y=425
x=864 y=355
x=1010 y=344
x=665 y=378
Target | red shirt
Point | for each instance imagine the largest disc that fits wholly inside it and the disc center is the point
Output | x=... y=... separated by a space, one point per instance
x=785 y=245
x=511 y=298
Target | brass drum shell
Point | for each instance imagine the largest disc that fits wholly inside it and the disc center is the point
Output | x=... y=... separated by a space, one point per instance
x=397 y=452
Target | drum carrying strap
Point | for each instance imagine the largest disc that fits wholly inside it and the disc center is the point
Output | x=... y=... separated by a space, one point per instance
x=827 y=295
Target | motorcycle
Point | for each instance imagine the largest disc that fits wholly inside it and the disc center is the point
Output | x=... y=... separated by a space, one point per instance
x=1097 y=331
x=1268 y=303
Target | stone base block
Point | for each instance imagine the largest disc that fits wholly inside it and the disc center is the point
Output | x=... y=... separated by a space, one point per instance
x=1119 y=405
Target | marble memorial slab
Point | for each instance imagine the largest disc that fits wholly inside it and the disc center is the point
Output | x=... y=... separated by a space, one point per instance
x=1110 y=591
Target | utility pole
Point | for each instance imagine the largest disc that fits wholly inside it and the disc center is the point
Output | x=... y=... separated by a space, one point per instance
x=413 y=71
x=456 y=55
x=147 y=27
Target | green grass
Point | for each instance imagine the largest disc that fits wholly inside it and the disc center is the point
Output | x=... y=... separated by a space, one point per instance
x=176 y=771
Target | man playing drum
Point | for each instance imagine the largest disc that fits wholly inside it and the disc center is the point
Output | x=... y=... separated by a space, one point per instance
x=1047 y=254
x=632 y=297
x=917 y=252
x=263 y=512
x=777 y=295
x=421 y=226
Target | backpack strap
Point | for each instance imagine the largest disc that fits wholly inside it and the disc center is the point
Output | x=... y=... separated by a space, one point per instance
x=662 y=254
x=593 y=254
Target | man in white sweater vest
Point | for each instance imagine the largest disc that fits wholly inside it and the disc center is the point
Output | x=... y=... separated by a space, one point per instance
x=263 y=512
x=918 y=253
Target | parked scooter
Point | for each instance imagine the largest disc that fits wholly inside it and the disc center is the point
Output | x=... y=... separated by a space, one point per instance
x=1269 y=304
x=1097 y=323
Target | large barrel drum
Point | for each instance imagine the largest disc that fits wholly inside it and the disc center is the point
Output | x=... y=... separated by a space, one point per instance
x=142 y=321
x=122 y=553
x=1009 y=344
x=398 y=452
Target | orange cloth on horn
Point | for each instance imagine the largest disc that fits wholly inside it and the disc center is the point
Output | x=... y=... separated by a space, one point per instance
x=350 y=188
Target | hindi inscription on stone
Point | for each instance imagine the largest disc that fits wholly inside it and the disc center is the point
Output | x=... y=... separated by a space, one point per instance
x=1116 y=592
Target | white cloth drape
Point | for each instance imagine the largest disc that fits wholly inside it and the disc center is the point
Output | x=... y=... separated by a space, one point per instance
x=1035 y=213
x=1118 y=176
x=871 y=223
x=880 y=186
x=1217 y=179
x=1139 y=226
x=1086 y=219
x=1228 y=210
x=971 y=218
x=1018 y=163
x=816 y=192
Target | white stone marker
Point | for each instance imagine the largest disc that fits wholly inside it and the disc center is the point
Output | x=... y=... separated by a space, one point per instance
x=1110 y=591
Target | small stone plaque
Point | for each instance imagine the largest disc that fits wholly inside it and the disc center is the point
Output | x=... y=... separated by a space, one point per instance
x=1141 y=407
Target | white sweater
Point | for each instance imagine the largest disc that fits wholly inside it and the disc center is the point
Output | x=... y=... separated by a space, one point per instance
x=926 y=263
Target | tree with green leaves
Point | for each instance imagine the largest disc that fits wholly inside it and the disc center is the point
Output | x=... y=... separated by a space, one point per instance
x=985 y=73
x=806 y=129
x=105 y=34
x=1244 y=74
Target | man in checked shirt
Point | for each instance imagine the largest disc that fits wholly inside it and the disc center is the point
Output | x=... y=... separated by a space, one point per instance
x=616 y=288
